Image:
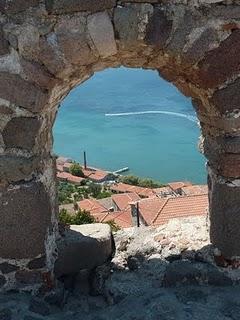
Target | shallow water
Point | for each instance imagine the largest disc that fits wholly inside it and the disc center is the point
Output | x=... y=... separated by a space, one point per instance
x=131 y=117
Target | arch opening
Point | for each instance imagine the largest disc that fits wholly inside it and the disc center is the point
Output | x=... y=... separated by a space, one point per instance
x=51 y=47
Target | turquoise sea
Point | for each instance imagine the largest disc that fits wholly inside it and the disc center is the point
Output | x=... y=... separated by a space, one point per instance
x=154 y=133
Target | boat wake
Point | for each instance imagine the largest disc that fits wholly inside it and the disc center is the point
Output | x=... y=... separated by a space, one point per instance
x=176 y=114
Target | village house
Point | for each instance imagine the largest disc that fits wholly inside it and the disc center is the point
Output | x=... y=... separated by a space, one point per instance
x=126 y=188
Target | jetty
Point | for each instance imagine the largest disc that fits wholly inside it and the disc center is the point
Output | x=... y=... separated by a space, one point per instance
x=121 y=170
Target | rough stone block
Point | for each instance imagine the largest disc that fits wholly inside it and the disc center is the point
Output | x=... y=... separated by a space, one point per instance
x=24 y=94
x=26 y=277
x=225 y=217
x=2 y=282
x=13 y=169
x=73 y=42
x=5 y=314
x=69 y=6
x=25 y=214
x=17 y=5
x=126 y=23
x=101 y=31
x=83 y=247
x=37 y=263
x=229 y=165
x=158 y=29
x=184 y=28
x=206 y=41
x=6 y=268
x=222 y=63
x=227 y=100
x=4 y=47
x=21 y=133
x=183 y=272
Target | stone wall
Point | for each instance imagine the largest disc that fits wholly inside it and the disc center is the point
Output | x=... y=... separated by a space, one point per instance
x=48 y=47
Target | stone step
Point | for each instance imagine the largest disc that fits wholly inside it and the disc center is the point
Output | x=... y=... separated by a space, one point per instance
x=84 y=247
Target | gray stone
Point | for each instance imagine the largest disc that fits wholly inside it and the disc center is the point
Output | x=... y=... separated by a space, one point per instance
x=83 y=247
x=56 y=297
x=220 y=64
x=14 y=169
x=184 y=28
x=126 y=23
x=73 y=42
x=37 y=263
x=132 y=263
x=31 y=318
x=225 y=217
x=21 y=133
x=101 y=31
x=17 y=5
x=159 y=28
x=39 y=306
x=4 y=47
x=68 y=6
x=231 y=310
x=191 y=295
x=2 y=281
x=5 y=314
x=206 y=41
x=24 y=94
x=6 y=268
x=26 y=277
x=25 y=212
x=227 y=99
x=181 y=273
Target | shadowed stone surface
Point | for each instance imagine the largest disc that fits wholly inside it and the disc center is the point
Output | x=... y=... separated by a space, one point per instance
x=14 y=169
x=48 y=47
x=21 y=133
x=159 y=28
x=24 y=93
x=6 y=268
x=227 y=99
x=84 y=247
x=68 y=6
x=224 y=217
x=222 y=63
x=16 y=212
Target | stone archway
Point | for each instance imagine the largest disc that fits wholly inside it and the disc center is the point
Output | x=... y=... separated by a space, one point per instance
x=48 y=47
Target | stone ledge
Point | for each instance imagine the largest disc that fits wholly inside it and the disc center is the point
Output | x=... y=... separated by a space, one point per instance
x=69 y=6
x=84 y=247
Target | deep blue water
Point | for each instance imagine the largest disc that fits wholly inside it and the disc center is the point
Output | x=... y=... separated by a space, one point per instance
x=161 y=146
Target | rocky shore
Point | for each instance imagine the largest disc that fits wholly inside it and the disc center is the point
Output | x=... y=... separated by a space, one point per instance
x=157 y=273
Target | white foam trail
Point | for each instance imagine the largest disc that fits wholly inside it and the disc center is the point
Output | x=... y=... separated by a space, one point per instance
x=176 y=114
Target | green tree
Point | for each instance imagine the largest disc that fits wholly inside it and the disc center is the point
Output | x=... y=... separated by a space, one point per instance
x=65 y=217
x=83 y=217
x=94 y=189
x=76 y=170
x=113 y=225
x=136 y=181
x=133 y=180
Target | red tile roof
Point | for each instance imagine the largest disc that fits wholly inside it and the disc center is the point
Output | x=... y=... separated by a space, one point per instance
x=123 y=187
x=179 y=184
x=150 y=207
x=122 y=200
x=122 y=218
x=95 y=174
x=65 y=176
x=97 y=210
x=157 y=211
